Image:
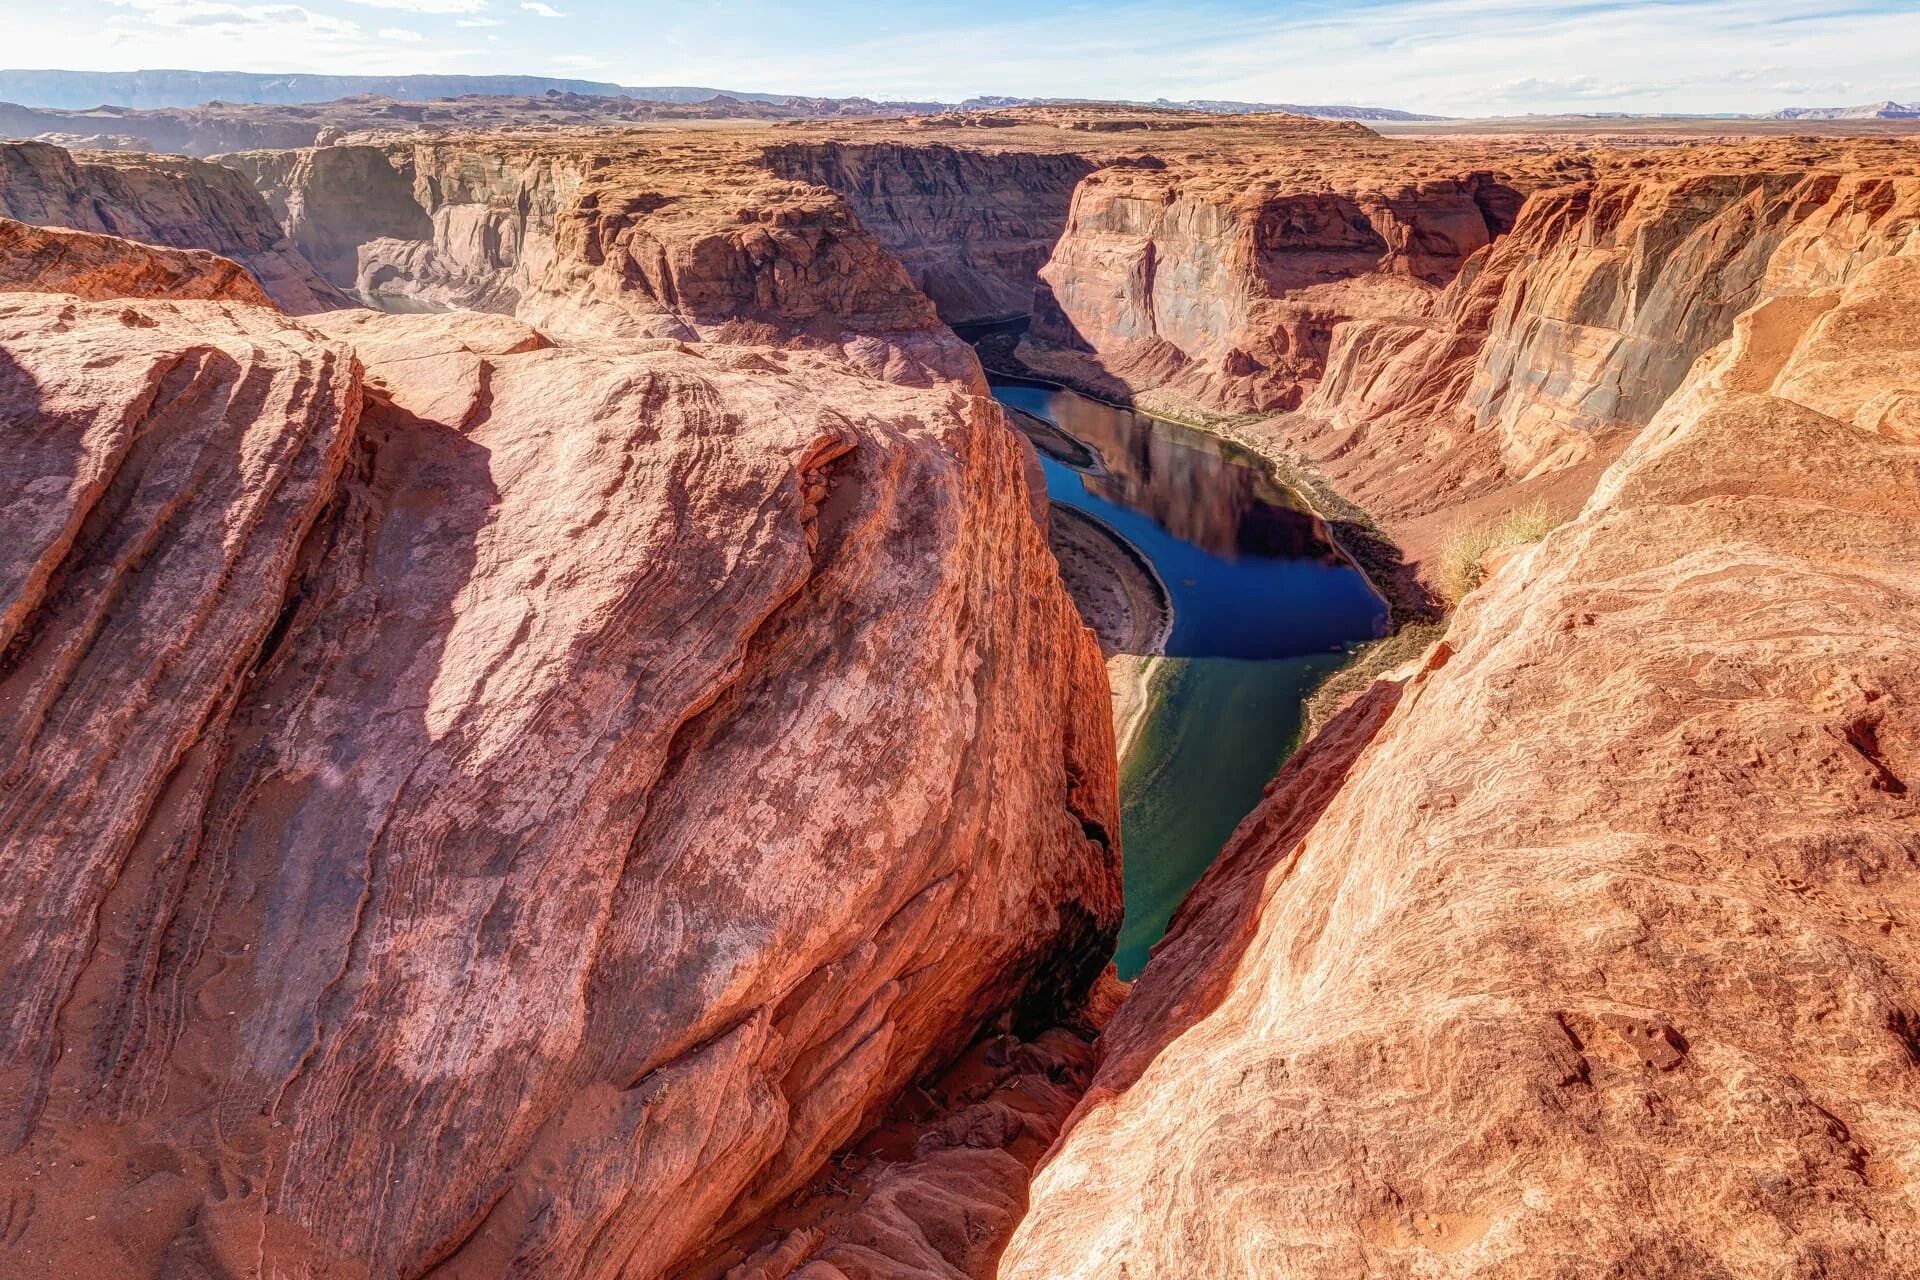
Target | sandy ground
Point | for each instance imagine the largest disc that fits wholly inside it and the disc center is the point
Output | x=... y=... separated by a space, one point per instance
x=1117 y=593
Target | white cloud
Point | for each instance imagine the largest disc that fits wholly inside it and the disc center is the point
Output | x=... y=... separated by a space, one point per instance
x=400 y=35
x=540 y=9
x=426 y=6
x=479 y=22
x=1455 y=57
x=206 y=14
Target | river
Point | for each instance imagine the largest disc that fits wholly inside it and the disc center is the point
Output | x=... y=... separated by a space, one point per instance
x=1264 y=606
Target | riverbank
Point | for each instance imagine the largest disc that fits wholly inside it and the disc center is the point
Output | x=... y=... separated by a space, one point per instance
x=1118 y=592
x=1418 y=618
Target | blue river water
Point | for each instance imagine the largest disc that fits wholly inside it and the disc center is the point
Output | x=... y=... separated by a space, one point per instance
x=1264 y=605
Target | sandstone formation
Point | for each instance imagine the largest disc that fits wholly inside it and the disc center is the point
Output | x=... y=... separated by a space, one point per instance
x=83 y=265
x=1587 y=950
x=504 y=811
x=1549 y=347
x=1225 y=284
x=161 y=200
x=972 y=227
x=559 y=789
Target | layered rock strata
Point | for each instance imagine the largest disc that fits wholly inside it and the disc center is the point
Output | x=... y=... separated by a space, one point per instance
x=161 y=200
x=83 y=265
x=972 y=227
x=1586 y=949
x=495 y=808
x=1223 y=284
x=1551 y=346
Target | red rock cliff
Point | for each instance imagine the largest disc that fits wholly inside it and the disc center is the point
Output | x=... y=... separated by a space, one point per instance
x=492 y=808
x=1574 y=328
x=1587 y=949
x=160 y=200
x=972 y=226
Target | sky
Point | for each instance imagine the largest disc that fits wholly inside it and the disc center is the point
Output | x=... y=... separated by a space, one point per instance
x=1451 y=57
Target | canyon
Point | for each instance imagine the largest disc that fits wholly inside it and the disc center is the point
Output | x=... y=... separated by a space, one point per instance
x=546 y=734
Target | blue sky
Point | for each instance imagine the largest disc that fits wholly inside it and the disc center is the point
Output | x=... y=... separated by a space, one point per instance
x=1466 y=57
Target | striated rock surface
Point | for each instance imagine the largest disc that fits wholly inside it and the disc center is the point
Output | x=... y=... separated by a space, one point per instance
x=467 y=226
x=972 y=226
x=161 y=200
x=82 y=265
x=1588 y=949
x=1222 y=282
x=505 y=811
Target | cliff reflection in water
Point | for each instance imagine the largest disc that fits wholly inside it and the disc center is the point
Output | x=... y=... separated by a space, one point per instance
x=1251 y=571
x=1264 y=606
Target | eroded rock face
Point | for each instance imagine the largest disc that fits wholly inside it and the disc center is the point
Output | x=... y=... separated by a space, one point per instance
x=1585 y=950
x=517 y=810
x=1555 y=344
x=1223 y=284
x=81 y=265
x=972 y=227
x=161 y=200
x=449 y=225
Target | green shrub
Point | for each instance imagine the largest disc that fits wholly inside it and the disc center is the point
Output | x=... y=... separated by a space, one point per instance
x=1459 y=569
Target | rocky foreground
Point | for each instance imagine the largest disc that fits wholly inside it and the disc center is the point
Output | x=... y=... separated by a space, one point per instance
x=490 y=806
x=613 y=785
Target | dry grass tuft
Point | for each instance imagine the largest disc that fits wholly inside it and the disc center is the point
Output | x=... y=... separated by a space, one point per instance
x=1459 y=570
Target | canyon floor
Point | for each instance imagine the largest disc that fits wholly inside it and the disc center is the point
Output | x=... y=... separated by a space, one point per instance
x=592 y=766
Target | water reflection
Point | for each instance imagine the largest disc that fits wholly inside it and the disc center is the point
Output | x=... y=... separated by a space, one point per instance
x=1264 y=606
x=1252 y=572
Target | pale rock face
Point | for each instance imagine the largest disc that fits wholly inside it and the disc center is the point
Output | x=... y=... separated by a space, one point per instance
x=1582 y=951
x=457 y=227
x=519 y=815
x=161 y=200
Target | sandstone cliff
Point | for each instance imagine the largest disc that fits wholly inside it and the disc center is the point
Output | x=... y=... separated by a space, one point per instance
x=497 y=808
x=1552 y=344
x=454 y=226
x=1586 y=950
x=161 y=200
x=972 y=226
x=83 y=265
x=1222 y=283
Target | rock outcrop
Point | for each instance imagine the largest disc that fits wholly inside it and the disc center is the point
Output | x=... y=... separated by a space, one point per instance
x=495 y=808
x=1587 y=949
x=161 y=200
x=83 y=265
x=973 y=227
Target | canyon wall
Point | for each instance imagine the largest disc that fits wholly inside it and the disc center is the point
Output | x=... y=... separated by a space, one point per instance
x=1586 y=949
x=1221 y=284
x=442 y=224
x=161 y=200
x=972 y=226
x=488 y=807
x=1554 y=344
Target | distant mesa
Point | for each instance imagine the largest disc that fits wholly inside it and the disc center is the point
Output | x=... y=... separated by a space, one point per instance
x=1888 y=110
x=151 y=90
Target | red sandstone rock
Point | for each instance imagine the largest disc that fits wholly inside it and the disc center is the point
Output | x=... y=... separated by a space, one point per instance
x=526 y=825
x=161 y=200
x=48 y=260
x=1592 y=955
